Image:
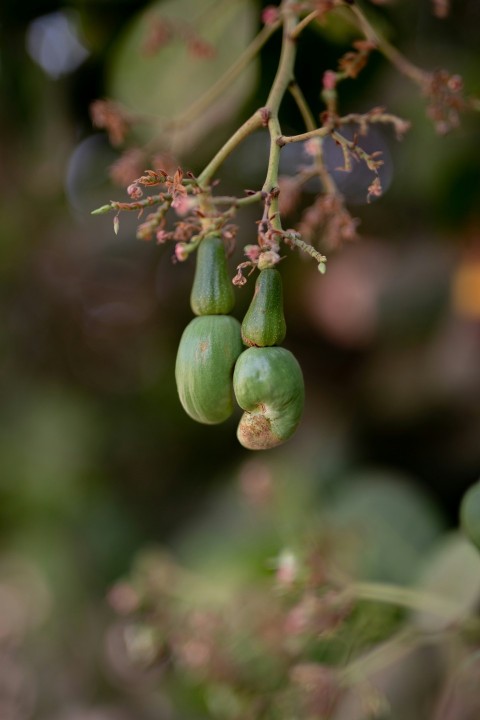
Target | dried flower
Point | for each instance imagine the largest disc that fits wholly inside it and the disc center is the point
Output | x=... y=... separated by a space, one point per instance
x=239 y=280
x=135 y=191
x=176 y=188
x=109 y=116
x=328 y=216
x=354 y=61
x=446 y=101
x=374 y=189
x=127 y=167
x=181 y=252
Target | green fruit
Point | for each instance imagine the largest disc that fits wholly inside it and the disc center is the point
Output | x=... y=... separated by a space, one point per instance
x=268 y=385
x=206 y=356
x=212 y=291
x=264 y=323
x=470 y=514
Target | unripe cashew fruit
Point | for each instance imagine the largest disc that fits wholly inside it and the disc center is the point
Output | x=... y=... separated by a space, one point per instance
x=208 y=349
x=470 y=514
x=212 y=291
x=264 y=322
x=268 y=385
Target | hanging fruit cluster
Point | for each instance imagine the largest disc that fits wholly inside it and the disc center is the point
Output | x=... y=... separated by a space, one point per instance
x=213 y=366
x=220 y=360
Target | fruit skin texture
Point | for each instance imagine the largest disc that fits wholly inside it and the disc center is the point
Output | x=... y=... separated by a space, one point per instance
x=264 y=322
x=470 y=514
x=268 y=385
x=212 y=291
x=206 y=355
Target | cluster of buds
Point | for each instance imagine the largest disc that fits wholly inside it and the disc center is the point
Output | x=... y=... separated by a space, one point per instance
x=266 y=253
x=445 y=100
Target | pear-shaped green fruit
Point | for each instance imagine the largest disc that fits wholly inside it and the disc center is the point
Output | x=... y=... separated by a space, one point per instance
x=268 y=385
x=470 y=514
x=264 y=322
x=206 y=357
x=212 y=291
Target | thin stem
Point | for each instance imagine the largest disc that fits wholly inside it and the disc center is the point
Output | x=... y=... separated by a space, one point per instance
x=135 y=205
x=297 y=240
x=419 y=76
x=203 y=102
x=284 y=74
x=238 y=202
x=282 y=80
x=325 y=177
x=318 y=132
x=302 y=105
x=249 y=126
x=303 y=23
x=403 y=597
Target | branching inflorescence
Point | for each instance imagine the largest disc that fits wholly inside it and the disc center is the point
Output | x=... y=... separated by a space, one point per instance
x=186 y=209
x=200 y=211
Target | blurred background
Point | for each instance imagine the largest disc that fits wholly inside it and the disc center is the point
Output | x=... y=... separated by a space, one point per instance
x=98 y=461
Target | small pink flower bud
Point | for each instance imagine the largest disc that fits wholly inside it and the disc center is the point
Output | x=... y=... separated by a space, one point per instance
x=182 y=205
x=181 y=252
x=270 y=15
x=252 y=252
x=162 y=236
x=329 y=80
x=311 y=147
x=135 y=191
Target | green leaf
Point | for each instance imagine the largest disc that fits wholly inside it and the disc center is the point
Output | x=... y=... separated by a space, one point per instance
x=470 y=514
x=452 y=573
x=393 y=521
x=166 y=83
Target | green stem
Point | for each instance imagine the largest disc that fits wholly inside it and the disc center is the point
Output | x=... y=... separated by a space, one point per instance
x=303 y=23
x=238 y=202
x=249 y=126
x=318 y=132
x=322 y=172
x=302 y=105
x=284 y=74
x=224 y=82
x=297 y=240
x=403 y=597
x=282 y=80
x=280 y=84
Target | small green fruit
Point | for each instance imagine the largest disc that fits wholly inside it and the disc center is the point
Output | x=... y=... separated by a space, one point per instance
x=470 y=514
x=268 y=385
x=264 y=322
x=206 y=356
x=212 y=291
